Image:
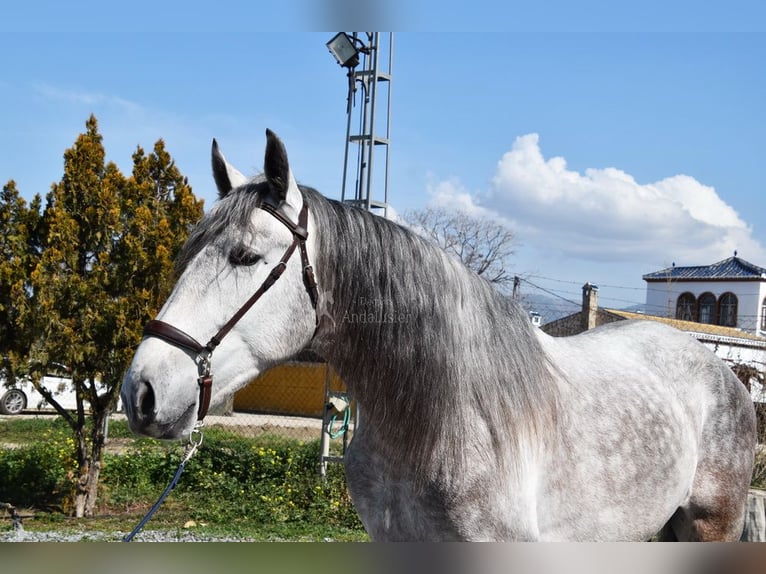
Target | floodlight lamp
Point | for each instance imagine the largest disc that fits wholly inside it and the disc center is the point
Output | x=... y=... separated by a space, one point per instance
x=343 y=50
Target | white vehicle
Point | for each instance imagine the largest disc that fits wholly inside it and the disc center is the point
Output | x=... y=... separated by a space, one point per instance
x=16 y=397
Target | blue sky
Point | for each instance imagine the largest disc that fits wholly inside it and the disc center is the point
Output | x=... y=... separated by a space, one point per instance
x=612 y=151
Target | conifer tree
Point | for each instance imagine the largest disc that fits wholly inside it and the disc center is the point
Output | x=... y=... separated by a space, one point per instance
x=20 y=229
x=104 y=269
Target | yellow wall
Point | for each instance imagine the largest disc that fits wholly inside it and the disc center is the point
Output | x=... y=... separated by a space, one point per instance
x=291 y=389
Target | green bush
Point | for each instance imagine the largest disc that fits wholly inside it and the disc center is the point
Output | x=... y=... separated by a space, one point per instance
x=39 y=474
x=270 y=480
x=234 y=480
x=133 y=477
x=231 y=480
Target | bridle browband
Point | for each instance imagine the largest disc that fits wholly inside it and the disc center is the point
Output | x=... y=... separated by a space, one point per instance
x=203 y=353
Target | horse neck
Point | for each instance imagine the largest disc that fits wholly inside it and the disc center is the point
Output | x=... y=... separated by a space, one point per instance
x=423 y=344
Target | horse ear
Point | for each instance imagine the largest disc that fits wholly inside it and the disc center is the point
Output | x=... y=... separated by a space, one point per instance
x=226 y=176
x=277 y=170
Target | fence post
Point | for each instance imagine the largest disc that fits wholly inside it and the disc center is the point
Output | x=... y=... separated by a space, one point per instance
x=325 y=438
x=755 y=517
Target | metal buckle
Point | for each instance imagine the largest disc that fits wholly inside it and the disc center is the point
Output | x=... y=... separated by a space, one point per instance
x=203 y=362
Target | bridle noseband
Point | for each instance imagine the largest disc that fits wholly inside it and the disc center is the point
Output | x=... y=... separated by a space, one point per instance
x=202 y=353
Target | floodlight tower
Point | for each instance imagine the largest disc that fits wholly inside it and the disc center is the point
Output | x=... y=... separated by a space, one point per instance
x=371 y=125
x=368 y=126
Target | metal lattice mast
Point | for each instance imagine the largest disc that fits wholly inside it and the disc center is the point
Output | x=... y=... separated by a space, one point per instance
x=368 y=134
x=368 y=123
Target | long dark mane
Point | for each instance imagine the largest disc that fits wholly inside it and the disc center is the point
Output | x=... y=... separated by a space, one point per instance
x=417 y=336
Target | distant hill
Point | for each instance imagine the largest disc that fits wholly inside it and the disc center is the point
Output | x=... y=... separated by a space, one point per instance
x=552 y=308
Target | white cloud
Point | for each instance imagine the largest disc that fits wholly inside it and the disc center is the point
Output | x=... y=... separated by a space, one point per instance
x=452 y=194
x=604 y=214
x=84 y=97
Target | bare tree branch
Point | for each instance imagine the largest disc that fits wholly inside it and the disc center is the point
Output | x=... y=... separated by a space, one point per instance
x=483 y=245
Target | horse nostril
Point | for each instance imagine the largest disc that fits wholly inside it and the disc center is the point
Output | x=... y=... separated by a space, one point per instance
x=146 y=401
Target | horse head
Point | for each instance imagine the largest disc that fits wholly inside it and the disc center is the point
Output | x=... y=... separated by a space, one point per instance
x=224 y=296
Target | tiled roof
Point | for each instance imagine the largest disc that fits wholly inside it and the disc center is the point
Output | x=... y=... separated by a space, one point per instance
x=732 y=268
x=691 y=326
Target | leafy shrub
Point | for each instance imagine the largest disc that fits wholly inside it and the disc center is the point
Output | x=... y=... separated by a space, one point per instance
x=133 y=477
x=39 y=474
x=234 y=480
x=267 y=480
x=231 y=480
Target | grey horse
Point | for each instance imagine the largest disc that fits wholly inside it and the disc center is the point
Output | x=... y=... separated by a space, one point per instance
x=475 y=425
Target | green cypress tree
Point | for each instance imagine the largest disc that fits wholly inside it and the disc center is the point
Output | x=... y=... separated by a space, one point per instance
x=103 y=272
x=20 y=229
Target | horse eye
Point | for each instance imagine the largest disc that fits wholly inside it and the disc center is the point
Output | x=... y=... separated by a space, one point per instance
x=243 y=256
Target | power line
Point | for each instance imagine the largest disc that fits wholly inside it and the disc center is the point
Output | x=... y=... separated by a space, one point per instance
x=570 y=293
x=657 y=310
x=579 y=283
x=552 y=293
x=647 y=288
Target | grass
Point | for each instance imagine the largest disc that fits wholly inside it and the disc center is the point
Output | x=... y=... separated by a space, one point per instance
x=265 y=488
x=22 y=431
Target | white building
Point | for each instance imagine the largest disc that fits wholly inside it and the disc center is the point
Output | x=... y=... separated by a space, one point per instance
x=729 y=293
x=737 y=346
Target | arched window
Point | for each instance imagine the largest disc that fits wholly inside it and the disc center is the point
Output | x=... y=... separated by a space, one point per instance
x=727 y=310
x=763 y=315
x=686 y=307
x=707 y=308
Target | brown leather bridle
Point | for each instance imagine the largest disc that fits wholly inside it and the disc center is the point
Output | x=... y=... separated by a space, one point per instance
x=203 y=353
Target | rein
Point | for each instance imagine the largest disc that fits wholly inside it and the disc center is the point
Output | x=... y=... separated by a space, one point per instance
x=203 y=353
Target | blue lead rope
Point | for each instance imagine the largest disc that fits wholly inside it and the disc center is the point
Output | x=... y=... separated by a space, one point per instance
x=191 y=448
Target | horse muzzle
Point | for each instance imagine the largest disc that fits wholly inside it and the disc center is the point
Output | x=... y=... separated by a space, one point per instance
x=140 y=401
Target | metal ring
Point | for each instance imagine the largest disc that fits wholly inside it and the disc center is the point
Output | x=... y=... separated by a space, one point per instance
x=195 y=436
